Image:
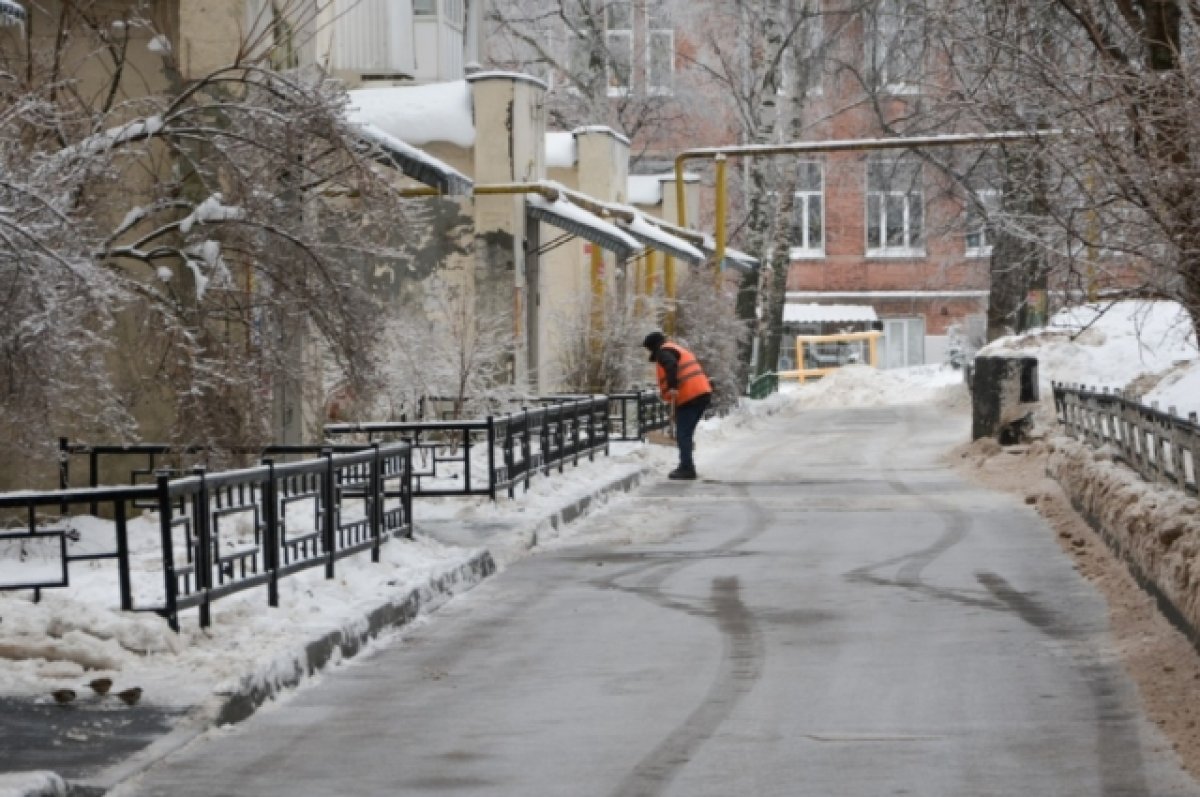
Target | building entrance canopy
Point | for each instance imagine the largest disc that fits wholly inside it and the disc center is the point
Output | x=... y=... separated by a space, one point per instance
x=828 y=313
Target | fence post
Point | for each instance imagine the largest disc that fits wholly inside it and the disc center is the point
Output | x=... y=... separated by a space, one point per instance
x=93 y=480
x=170 y=582
x=641 y=417
x=527 y=451
x=591 y=437
x=271 y=533
x=406 y=491
x=64 y=465
x=491 y=457
x=329 y=494
x=466 y=449
x=204 y=556
x=375 y=504
x=119 y=519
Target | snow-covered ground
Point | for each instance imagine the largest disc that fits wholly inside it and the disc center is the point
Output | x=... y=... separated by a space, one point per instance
x=77 y=634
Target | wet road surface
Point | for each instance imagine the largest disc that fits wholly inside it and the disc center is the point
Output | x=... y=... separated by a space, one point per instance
x=832 y=611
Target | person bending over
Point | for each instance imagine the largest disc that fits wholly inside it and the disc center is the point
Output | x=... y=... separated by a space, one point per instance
x=682 y=384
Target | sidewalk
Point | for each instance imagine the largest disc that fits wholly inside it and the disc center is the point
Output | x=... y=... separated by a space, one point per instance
x=94 y=743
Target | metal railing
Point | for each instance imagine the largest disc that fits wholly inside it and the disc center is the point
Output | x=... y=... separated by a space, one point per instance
x=223 y=533
x=488 y=455
x=763 y=386
x=1161 y=446
x=139 y=463
x=631 y=415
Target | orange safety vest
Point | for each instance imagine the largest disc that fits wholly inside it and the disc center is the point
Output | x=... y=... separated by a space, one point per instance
x=692 y=381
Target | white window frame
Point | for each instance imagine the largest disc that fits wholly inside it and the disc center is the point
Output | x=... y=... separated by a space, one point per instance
x=658 y=90
x=805 y=250
x=977 y=223
x=814 y=42
x=611 y=75
x=612 y=34
x=880 y=50
x=914 y=241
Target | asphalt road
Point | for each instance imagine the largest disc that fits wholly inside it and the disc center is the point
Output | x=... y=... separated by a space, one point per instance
x=833 y=612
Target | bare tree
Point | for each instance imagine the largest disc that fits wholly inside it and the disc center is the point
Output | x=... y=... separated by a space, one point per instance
x=179 y=244
x=1109 y=206
x=606 y=62
x=446 y=351
x=766 y=74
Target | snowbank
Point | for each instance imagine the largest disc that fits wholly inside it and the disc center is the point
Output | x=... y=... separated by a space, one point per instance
x=32 y=784
x=1155 y=529
x=1123 y=345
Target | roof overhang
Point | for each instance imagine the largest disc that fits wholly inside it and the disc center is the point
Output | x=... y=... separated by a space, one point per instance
x=11 y=12
x=415 y=163
x=582 y=223
x=828 y=313
x=651 y=235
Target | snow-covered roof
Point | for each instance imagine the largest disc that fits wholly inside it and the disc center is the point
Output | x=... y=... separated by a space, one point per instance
x=10 y=12
x=605 y=129
x=657 y=238
x=415 y=163
x=828 y=313
x=646 y=189
x=418 y=114
x=496 y=74
x=561 y=151
x=577 y=221
x=739 y=260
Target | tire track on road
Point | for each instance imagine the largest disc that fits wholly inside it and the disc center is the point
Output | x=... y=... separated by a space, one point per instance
x=742 y=657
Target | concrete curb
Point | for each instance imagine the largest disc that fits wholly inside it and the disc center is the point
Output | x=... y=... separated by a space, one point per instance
x=580 y=507
x=343 y=643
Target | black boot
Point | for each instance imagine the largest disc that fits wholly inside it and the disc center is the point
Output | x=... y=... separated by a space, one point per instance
x=682 y=473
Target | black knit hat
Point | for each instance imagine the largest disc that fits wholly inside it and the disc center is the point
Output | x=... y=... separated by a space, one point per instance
x=653 y=341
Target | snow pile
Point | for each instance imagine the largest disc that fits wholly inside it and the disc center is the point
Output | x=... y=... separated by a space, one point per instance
x=1154 y=528
x=864 y=386
x=25 y=784
x=418 y=114
x=75 y=635
x=1123 y=345
x=561 y=151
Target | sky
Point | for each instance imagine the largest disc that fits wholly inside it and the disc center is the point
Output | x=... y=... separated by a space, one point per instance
x=74 y=635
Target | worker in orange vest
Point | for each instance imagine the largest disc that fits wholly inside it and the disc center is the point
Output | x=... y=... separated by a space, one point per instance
x=682 y=383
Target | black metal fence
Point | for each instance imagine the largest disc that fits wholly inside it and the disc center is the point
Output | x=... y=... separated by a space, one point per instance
x=219 y=533
x=1161 y=446
x=631 y=415
x=222 y=533
x=486 y=456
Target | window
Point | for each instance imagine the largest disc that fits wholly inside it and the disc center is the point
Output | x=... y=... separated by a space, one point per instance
x=812 y=56
x=660 y=49
x=808 y=214
x=618 y=39
x=895 y=208
x=897 y=46
x=425 y=8
x=981 y=209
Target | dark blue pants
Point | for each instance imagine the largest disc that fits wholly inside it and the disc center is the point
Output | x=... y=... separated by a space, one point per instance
x=687 y=416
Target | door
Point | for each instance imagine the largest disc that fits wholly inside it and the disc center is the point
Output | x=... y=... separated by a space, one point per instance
x=903 y=342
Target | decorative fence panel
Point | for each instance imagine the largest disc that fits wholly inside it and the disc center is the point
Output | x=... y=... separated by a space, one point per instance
x=632 y=415
x=223 y=533
x=485 y=456
x=1159 y=445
